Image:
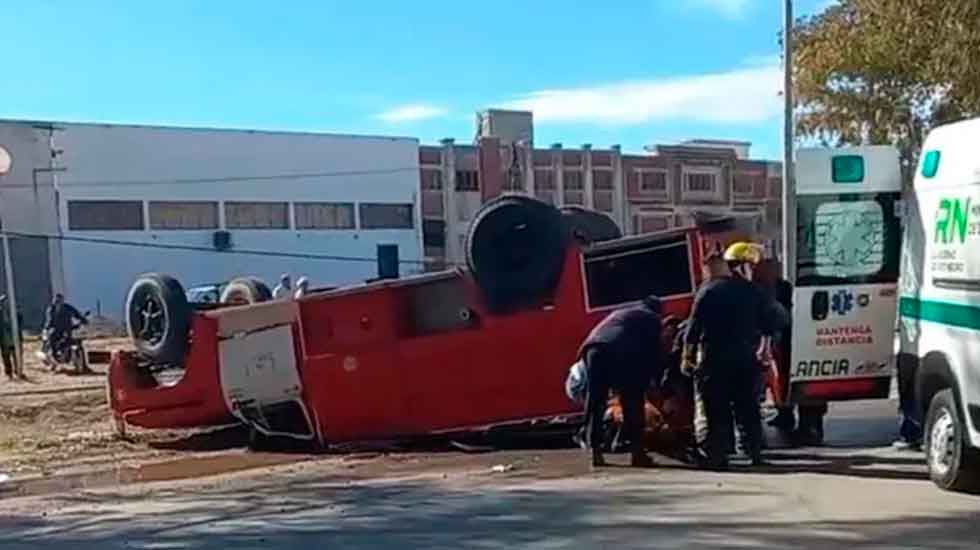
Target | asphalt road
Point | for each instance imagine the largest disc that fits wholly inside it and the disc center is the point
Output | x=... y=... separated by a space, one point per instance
x=856 y=492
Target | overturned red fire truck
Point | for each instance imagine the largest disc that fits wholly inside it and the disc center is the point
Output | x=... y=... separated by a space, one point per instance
x=458 y=350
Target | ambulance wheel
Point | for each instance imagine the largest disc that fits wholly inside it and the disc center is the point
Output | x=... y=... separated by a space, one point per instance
x=245 y=290
x=158 y=318
x=589 y=226
x=952 y=464
x=515 y=249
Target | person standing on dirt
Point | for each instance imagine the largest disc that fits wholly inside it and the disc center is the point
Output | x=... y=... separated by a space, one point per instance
x=283 y=290
x=728 y=315
x=7 y=352
x=622 y=353
x=59 y=319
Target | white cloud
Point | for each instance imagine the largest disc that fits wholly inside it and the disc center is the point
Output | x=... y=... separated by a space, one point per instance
x=732 y=9
x=749 y=93
x=411 y=113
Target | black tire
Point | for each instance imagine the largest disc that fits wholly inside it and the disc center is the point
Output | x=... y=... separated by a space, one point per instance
x=158 y=318
x=515 y=249
x=245 y=290
x=589 y=226
x=953 y=465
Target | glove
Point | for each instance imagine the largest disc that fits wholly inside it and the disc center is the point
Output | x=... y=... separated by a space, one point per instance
x=689 y=363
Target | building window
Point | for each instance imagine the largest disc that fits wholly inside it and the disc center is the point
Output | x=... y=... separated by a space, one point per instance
x=574 y=187
x=324 y=215
x=386 y=216
x=544 y=185
x=702 y=183
x=743 y=184
x=434 y=233
x=105 y=215
x=431 y=180
x=183 y=215
x=256 y=215
x=647 y=222
x=653 y=182
x=467 y=180
x=603 y=190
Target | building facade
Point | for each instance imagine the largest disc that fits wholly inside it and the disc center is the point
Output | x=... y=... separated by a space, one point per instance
x=92 y=206
x=668 y=186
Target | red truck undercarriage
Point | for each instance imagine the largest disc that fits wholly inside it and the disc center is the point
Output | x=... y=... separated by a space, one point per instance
x=456 y=351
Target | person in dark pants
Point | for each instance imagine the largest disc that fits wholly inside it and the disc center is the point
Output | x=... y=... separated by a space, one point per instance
x=809 y=431
x=59 y=319
x=728 y=315
x=622 y=353
x=909 y=411
x=7 y=341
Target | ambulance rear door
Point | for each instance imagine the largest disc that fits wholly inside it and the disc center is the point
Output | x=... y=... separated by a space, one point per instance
x=848 y=204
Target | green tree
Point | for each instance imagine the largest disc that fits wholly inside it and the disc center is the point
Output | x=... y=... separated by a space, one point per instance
x=885 y=71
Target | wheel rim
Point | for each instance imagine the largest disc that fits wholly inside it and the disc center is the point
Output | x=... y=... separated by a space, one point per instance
x=150 y=320
x=942 y=443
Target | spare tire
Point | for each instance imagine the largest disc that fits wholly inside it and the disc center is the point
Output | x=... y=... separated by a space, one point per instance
x=158 y=318
x=589 y=226
x=245 y=290
x=515 y=249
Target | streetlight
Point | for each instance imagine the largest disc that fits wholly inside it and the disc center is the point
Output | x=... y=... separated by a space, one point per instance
x=5 y=164
x=789 y=185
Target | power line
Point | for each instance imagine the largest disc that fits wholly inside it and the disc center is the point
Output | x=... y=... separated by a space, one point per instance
x=197 y=248
x=224 y=179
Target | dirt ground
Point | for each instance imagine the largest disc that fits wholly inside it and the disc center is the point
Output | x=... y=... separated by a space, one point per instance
x=56 y=422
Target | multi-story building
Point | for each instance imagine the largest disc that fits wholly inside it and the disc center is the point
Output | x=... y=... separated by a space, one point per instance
x=666 y=186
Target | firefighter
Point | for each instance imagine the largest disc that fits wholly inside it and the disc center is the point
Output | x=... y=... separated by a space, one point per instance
x=622 y=353
x=727 y=317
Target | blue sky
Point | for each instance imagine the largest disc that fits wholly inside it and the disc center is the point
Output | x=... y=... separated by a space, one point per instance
x=631 y=72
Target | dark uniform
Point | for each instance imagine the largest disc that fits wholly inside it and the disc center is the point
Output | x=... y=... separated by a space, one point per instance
x=727 y=318
x=58 y=321
x=622 y=353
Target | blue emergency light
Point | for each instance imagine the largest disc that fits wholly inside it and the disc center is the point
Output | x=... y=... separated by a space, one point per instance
x=930 y=164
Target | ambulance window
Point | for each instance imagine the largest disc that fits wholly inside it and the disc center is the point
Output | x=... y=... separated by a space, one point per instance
x=849 y=239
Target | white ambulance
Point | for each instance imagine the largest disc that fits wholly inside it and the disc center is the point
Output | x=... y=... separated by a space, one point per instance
x=846 y=274
x=940 y=301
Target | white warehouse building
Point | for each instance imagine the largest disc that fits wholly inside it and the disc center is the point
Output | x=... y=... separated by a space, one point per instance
x=91 y=206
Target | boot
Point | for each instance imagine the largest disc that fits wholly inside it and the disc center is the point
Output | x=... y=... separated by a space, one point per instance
x=641 y=460
x=598 y=461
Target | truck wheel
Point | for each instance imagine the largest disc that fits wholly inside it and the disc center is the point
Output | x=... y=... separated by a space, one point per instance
x=158 y=318
x=245 y=290
x=952 y=464
x=589 y=226
x=515 y=249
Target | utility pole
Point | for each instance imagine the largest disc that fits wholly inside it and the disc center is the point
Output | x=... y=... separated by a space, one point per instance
x=12 y=303
x=789 y=183
x=5 y=163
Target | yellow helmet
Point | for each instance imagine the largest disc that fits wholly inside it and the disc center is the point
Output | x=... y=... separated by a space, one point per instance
x=744 y=252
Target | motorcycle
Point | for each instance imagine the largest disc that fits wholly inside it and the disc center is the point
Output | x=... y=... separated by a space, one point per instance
x=66 y=350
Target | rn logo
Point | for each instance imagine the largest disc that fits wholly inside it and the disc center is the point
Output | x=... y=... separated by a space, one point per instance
x=952 y=221
x=827 y=367
x=842 y=302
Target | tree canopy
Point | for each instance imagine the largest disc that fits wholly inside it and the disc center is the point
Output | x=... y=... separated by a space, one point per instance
x=885 y=71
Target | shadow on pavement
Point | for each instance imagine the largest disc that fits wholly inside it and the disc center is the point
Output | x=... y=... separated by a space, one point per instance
x=330 y=513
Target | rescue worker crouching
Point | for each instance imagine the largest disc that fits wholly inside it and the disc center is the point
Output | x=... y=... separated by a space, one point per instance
x=727 y=317
x=622 y=353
